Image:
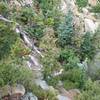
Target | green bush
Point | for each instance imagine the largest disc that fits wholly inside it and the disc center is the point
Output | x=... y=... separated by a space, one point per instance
x=96 y=39
x=51 y=12
x=7 y=39
x=87 y=48
x=82 y=3
x=68 y=58
x=4 y=9
x=12 y=74
x=73 y=76
x=25 y=15
x=65 y=31
x=36 y=32
x=50 y=66
x=91 y=91
x=42 y=94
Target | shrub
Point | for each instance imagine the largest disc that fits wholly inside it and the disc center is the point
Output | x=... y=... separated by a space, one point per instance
x=12 y=74
x=50 y=66
x=51 y=12
x=65 y=31
x=68 y=58
x=82 y=3
x=4 y=9
x=91 y=91
x=7 y=39
x=73 y=76
x=87 y=48
x=25 y=15
x=42 y=94
x=36 y=32
x=96 y=39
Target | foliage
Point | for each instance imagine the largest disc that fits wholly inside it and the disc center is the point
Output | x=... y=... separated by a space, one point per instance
x=7 y=39
x=36 y=31
x=73 y=76
x=50 y=66
x=82 y=3
x=25 y=15
x=87 y=48
x=91 y=91
x=51 y=12
x=96 y=9
x=65 y=31
x=48 y=6
x=12 y=74
x=4 y=9
x=96 y=39
x=44 y=95
x=68 y=56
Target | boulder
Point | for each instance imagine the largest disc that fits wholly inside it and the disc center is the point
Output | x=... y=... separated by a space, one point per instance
x=69 y=94
x=90 y=25
x=42 y=84
x=85 y=11
x=18 y=89
x=29 y=96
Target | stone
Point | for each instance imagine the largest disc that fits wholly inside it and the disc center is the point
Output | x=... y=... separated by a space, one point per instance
x=85 y=11
x=70 y=94
x=42 y=84
x=29 y=96
x=64 y=6
x=18 y=89
x=61 y=97
x=90 y=25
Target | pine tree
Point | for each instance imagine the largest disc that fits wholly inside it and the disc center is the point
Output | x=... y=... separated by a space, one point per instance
x=65 y=33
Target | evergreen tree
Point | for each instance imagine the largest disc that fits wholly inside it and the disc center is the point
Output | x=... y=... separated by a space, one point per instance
x=87 y=47
x=65 y=33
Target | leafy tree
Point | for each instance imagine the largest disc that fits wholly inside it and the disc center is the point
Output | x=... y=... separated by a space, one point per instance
x=65 y=31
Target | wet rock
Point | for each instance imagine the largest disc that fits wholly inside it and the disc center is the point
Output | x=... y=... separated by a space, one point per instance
x=29 y=96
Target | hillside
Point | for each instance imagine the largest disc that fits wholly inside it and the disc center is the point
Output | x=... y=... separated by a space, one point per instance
x=49 y=49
